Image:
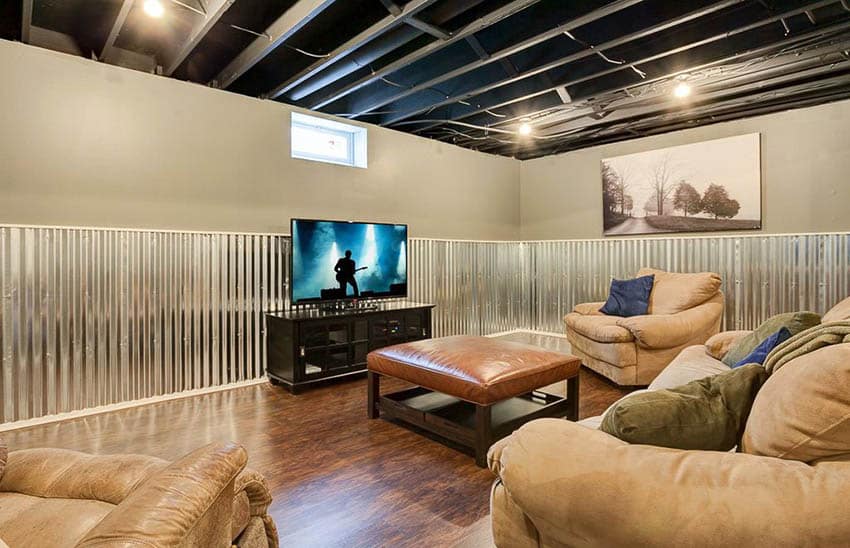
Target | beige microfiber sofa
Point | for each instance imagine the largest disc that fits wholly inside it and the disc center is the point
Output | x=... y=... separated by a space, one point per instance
x=684 y=309
x=569 y=484
x=51 y=498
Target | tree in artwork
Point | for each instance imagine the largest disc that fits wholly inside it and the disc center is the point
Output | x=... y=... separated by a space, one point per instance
x=716 y=202
x=687 y=199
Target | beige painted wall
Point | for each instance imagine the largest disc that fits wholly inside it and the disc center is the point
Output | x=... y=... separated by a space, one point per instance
x=88 y=144
x=805 y=175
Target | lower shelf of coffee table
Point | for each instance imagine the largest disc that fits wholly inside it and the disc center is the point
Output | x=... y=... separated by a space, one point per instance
x=454 y=418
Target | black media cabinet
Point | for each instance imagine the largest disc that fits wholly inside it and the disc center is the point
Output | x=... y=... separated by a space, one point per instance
x=307 y=346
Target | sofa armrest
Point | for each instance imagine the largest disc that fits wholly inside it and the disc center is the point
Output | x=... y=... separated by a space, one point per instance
x=672 y=330
x=254 y=485
x=718 y=345
x=189 y=503
x=589 y=309
x=563 y=477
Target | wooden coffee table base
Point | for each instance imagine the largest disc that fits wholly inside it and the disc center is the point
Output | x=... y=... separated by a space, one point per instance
x=468 y=424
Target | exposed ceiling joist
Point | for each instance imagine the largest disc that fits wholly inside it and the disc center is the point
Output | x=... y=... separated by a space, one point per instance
x=381 y=27
x=654 y=29
x=616 y=68
x=392 y=7
x=26 y=21
x=428 y=28
x=477 y=47
x=594 y=15
x=470 y=29
x=117 y=25
x=214 y=10
x=298 y=15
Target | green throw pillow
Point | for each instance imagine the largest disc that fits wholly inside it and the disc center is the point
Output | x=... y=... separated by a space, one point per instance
x=794 y=322
x=708 y=414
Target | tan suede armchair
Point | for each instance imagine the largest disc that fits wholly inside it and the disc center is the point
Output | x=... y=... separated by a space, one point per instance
x=51 y=498
x=684 y=309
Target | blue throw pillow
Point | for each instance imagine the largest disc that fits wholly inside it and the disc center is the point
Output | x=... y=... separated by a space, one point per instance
x=629 y=297
x=761 y=351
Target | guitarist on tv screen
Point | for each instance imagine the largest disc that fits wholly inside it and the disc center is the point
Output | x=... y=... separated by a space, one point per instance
x=345 y=269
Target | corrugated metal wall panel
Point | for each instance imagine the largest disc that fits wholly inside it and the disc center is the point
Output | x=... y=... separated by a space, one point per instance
x=91 y=317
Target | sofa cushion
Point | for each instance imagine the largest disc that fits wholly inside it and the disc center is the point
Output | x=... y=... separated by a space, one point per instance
x=691 y=364
x=27 y=520
x=674 y=292
x=795 y=322
x=718 y=345
x=598 y=328
x=621 y=354
x=707 y=414
x=628 y=298
x=838 y=313
x=803 y=410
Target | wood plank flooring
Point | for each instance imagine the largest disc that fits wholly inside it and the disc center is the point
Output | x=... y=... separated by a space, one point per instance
x=337 y=478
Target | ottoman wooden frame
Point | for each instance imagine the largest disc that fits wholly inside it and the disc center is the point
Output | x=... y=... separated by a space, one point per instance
x=472 y=390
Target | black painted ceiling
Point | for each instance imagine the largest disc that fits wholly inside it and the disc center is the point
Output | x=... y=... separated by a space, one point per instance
x=471 y=72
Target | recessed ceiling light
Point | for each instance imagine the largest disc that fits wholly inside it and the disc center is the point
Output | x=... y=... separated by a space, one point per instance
x=154 y=8
x=682 y=90
x=525 y=129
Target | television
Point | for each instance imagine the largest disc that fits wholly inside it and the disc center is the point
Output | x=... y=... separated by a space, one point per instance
x=342 y=260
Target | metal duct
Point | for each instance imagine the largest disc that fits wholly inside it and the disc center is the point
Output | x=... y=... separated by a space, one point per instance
x=90 y=317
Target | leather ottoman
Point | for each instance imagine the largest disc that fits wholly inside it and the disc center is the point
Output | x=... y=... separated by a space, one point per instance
x=472 y=390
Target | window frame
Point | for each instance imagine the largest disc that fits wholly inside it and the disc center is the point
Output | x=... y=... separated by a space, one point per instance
x=355 y=136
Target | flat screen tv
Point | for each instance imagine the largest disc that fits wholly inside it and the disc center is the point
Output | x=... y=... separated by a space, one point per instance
x=339 y=260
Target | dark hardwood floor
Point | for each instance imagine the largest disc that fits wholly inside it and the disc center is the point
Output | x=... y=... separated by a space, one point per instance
x=338 y=479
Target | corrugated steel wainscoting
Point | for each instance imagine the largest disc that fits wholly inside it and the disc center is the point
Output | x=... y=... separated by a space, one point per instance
x=91 y=317
x=95 y=317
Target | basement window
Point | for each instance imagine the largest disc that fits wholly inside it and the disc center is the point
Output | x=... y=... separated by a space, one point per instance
x=323 y=140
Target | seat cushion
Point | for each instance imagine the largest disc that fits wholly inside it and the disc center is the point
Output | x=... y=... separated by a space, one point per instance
x=674 y=292
x=803 y=410
x=691 y=364
x=480 y=370
x=598 y=328
x=620 y=354
x=35 y=522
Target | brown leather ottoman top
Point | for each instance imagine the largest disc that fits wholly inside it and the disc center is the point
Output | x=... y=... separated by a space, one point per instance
x=480 y=370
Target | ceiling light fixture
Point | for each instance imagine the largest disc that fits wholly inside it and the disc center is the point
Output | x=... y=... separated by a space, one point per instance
x=154 y=8
x=682 y=90
x=525 y=129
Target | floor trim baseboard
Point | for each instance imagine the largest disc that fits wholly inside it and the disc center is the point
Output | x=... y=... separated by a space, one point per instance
x=47 y=419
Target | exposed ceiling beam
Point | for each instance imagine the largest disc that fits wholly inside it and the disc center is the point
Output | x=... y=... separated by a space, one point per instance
x=392 y=7
x=741 y=106
x=477 y=47
x=117 y=25
x=626 y=66
x=26 y=21
x=594 y=15
x=587 y=52
x=200 y=27
x=786 y=43
x=428 y=28
x=470 y=29
x=381 y=27
x=298 y=15
x=794 y=62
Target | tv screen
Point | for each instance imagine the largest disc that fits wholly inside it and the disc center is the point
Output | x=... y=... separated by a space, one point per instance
x=335 y=260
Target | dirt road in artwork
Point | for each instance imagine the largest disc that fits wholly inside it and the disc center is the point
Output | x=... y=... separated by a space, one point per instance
x=633 y=225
